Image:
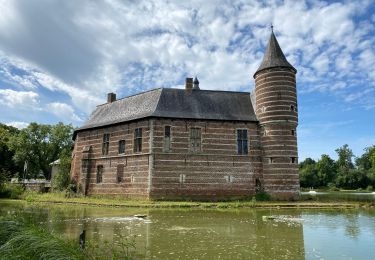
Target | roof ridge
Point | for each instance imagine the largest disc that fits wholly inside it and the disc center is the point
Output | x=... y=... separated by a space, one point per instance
x=147 y=91
x=213 y=90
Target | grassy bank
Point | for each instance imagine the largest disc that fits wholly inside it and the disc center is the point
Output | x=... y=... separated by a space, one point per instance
x=20 y=239
x=121 y=202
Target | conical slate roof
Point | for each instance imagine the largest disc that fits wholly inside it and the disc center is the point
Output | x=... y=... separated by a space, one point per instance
x=274 y=56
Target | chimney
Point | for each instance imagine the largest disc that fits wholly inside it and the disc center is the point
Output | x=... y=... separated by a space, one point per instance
x=189 y=84
x=111 y=97
x=196 y=83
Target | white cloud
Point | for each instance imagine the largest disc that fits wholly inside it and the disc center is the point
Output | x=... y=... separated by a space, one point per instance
x=19 y=99
x=63 y=111
x=17 y=124
x=88 y=48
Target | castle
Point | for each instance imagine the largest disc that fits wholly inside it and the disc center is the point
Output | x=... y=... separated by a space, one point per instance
x=193 y=143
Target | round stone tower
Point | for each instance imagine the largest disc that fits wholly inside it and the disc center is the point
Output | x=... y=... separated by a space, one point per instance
x=277 y=112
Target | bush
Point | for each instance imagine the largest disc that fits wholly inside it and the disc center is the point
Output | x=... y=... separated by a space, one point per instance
x=11 y=191
x=262 y=196
x=370 y=188
x=72 y=190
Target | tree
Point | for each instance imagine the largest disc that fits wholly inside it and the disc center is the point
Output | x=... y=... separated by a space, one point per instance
x=366 y=163
x=326 y=170
x=345 y=155
x=8 y=168
x=352 y=179
x=308 y=173
x=39 y=145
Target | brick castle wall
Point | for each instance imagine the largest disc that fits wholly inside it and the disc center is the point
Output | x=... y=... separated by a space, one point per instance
x=136 y=165
x=276 y=110
x=215 y=172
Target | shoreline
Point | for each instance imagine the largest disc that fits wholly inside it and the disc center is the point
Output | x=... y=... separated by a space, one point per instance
x=60 y=199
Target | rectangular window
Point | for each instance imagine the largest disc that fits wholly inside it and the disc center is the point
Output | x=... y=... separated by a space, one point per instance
x=138 y=140
x=120 y=172
x=293 y=160
x=167 y=138
x=195 y=139
x=242 y=147
x=293 y=132
x=105 y=145
x=121 y=146
x=99 y=174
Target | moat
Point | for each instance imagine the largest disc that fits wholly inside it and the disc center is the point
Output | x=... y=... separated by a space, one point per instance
x=215 y=234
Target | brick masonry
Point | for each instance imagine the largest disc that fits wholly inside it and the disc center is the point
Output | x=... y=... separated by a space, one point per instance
x=215 y=172
x=277 y=111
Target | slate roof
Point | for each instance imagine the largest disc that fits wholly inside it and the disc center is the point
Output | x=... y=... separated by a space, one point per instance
x=174 y=103
x=274 y=56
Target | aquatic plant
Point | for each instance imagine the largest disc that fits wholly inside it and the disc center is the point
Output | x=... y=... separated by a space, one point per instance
x=22 y=241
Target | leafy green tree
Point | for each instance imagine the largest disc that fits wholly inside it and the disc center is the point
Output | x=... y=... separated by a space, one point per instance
x=39 y=145
x=366 y=163
x=308 y=173
x=326 y=170
x=8 y=168
x=345 y=155
x=62 y=178
x=352 y=179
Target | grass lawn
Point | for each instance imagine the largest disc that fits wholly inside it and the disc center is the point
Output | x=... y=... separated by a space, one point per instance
x=125 y=202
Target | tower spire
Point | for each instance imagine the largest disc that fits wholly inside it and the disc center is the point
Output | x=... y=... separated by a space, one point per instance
x=274 y=56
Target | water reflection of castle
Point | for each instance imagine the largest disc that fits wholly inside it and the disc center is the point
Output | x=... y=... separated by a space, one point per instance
x=197 y=234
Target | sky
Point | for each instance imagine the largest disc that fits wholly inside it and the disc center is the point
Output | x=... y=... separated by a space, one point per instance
x=59 y=59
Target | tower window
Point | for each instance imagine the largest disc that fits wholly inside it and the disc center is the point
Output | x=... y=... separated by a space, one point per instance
x=293 y=132
x=242 y=147
x=293 y=160
x=195 y=139
x=121 y=147
x=270 y=160
x=263 y=109
x=167 y=138
x=138 y=140
x=105 y=144
x=99 y=174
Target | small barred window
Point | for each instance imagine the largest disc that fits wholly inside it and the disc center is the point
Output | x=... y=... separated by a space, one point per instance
x=138 y=140
x=121 y=147
x=242 y=147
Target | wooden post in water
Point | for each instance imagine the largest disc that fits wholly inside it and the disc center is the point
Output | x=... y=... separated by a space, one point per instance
x=82 y=239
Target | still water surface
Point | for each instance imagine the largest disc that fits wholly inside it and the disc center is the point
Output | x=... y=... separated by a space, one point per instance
x=216 y=234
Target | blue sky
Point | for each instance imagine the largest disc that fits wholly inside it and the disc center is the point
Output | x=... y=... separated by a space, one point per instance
x=58 y=59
